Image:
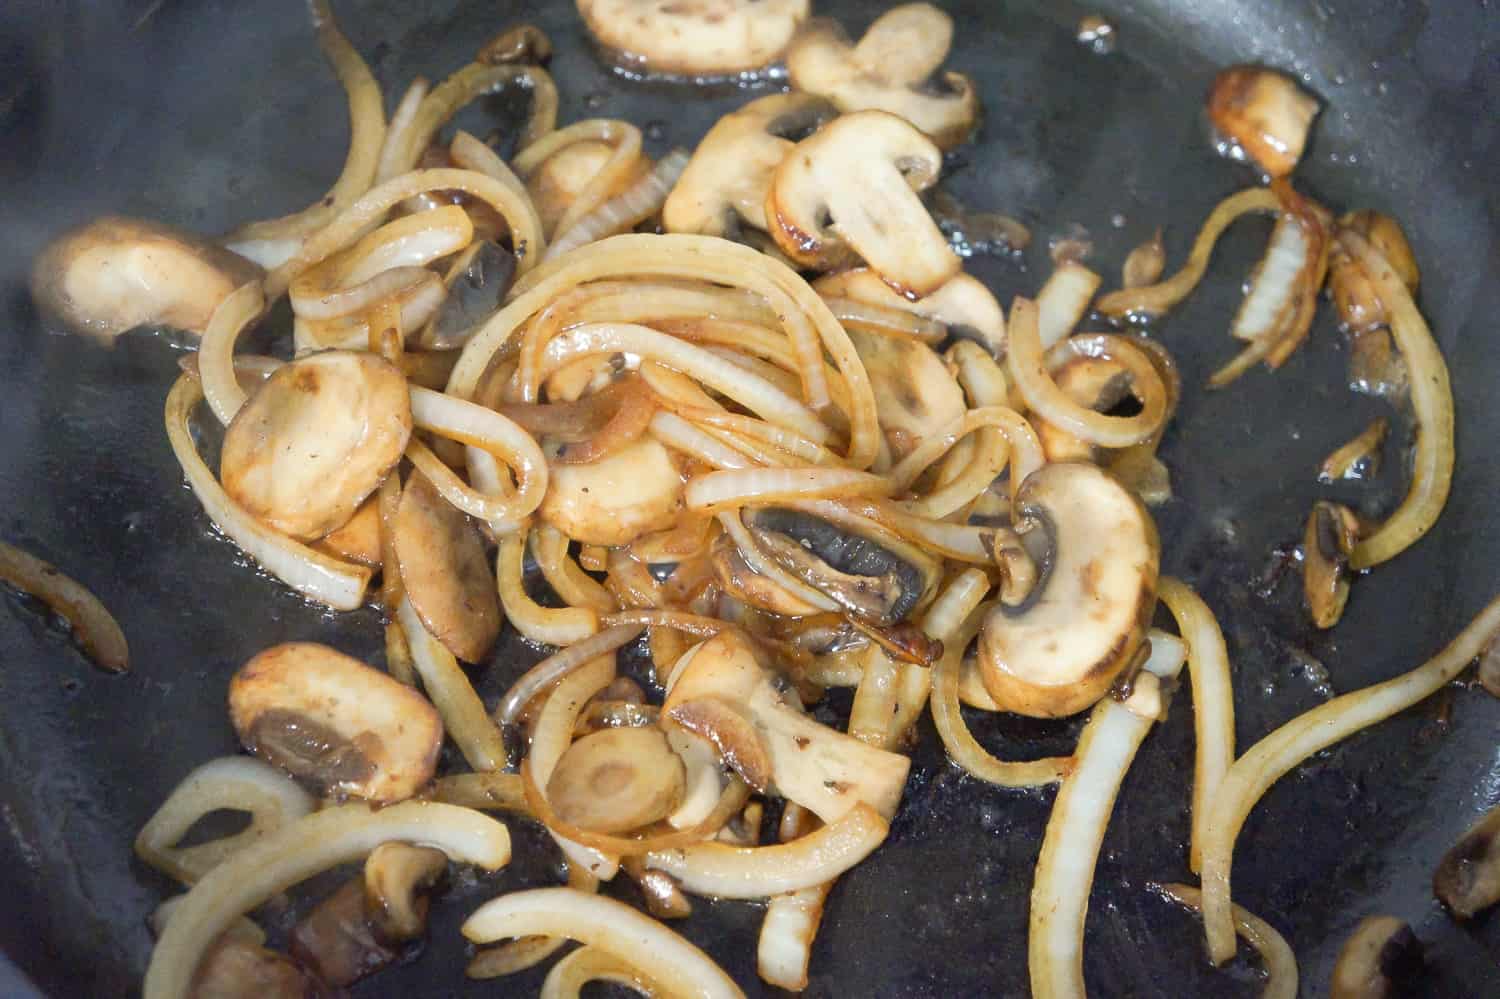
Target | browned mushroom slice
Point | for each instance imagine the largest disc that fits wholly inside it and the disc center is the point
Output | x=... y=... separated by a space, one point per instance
x=1085 y=618
x=398 y=879
x=558 y=181
x=1332 y=530
x=1380 y=956
x=338 y=941
x=235 y=968
x=1468 y=879
x=445 y=571
x=915 y=393
x=891 y=69
x=726 y=181
x=731 y=733
x=1264 y=113
x=850 y=190
x=1099 y=383
x=616 y=499
x=335 y=722
x=738 y=580
x=694 y=37
x=115 y=274
x=359 y=539
x=617 y=780
x=316 y=439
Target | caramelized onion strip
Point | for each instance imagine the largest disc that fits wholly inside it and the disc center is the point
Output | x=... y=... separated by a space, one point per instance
x=95 y=629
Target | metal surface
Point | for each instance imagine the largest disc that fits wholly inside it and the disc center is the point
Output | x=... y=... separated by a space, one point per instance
x=207 y=114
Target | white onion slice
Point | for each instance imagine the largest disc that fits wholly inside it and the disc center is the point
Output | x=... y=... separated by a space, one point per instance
x=1266 y=305
x=295 y=853
x=504 y=439
x=447 y=685
x=549 y=625
x=216 y=349
x=786 y=936
x=635 y=204
x=726 y=490
x=239 y=783
x=682 y=435
x=1272 y=757
x=558 y=665
x=1064 y=299
x=590 y=964
x=661 y=956
x=724 y=871
x=340 y=585
x=1275 y=952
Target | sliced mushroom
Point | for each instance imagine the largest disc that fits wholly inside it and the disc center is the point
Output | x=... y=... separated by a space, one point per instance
x=849 y=190
x=825 y=771
x=891 y=69
x=398 y=879
x=558 y=181
x=335 y=722
x=115 y=274
x=1380 y=956
x=732 y=734
x=235 y=968
x=617 y=780
x=616 y=499
x=963 y=304
x=445 y=571
x=1264 y=113
x=738 y=580
x=316 y=439
x=1087 y=615
x=694 y=37
x=875 y=577
x=1468 y=879
x=726 y=182
x=358 y=539
x=915 y=393
x=1332 y=530
x=477 y=281
x=338 y=941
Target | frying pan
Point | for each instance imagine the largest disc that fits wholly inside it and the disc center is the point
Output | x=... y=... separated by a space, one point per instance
x=207 y=113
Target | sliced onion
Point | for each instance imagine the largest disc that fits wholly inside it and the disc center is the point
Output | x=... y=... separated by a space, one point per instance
x=590 y=964
x=1025 y=450
x=295 y=853
x=786 y=937
x=723 y=871
x=1155 y=299
x=1432 y=408
x=1275 y=755
x=885 y=320
x=1028 y=368
x=1269 y=300
x=549 y=625
x=952 y=608
x=759 y=562
x=576 y=587
x=401 y=119
x=624 y=159
x=1275 y=952
x=558 y=665
x=527 y=952
x=447 y=685
x=681 y=435
x=692 y=624
x=1063 y=300
x=340 y=585
x=874 y=698
x=221 y=387
x=660 y=955
x=94 y=628
x=621 y=213
x=366 y=136
x=486 y=791
x=238 y=783
x=478 y=427
x=963 y=542
x=1213 y=700
x=717 y=491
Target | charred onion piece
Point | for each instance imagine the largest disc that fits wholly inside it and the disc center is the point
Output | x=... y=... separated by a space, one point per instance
x=1380 y=956
x=115 y=274
x=95 y=630
x=1264 y=113
x=891 y=69
x=850 y=190
x=1331 y=532
x=331 y=720
x=315 y=440
x=704 y=38
x=616 y=780
x=1084 y=621
x=1468 y=878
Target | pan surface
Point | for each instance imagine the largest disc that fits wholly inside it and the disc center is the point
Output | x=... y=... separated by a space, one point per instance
x=207 y=113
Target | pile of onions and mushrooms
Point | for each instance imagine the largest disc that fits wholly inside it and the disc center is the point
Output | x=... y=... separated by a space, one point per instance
x=743 y=412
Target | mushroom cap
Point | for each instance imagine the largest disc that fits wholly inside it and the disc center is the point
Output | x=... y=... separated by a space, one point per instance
x=397 y=879
x=730 y=172
x=315 y=439
x=694 y=37
x=1380 y=955
x=616 y=499
x=849 y=190
x=963 y=303
x=445 y=572
x=117 y=273
x=330 y=719
x=889 y=70
x=1085 y=619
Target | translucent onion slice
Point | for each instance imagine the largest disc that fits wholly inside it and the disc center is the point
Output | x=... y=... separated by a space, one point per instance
x=625 y=210
x=485 y=791
x=340 y=585
x=576 y=587
x=1075 y=829
x=549 y=625
x=221 y=387
x=465 y=720
x=1432 y=408
x=95 y=629
x=682 y=435
x=874 y=698
x=401 y=119
x=1275 y=952
x=237 y=783
x=1155 y=299
x=296 y=852
x=1273 y=757
x=1213 y=700
x=558 y=665
x=1027 y=366
x=1063 y=300
x=660 y=955
x=590 y=964
x=724 y=871
x=784 y=949
x=366 y=136
x=624 y=159
x=502 y=438
x=728 y=490
x=1025 y=449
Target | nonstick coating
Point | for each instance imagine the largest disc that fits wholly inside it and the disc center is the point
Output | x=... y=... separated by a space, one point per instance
x=207 y=114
